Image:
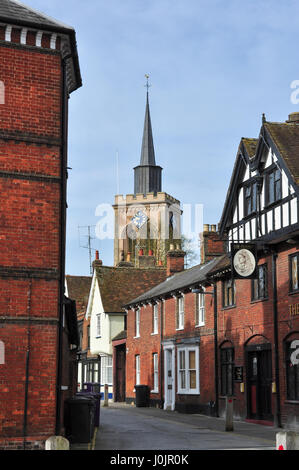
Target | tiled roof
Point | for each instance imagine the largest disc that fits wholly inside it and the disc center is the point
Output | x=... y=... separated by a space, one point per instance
x=178 y=281
x=250 y=146
x=286 y=139
x=13 y=11
x=78 y=290
x=118 y=285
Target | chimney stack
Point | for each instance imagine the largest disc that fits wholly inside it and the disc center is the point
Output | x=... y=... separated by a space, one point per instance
x=175 y=261
x=97 y=262
x=210 y=244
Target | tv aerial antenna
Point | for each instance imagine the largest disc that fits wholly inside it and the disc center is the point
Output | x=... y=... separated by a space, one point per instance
x=84 y=232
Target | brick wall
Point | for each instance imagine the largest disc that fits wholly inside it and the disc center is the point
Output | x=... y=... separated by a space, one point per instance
x=30 y=130
x=245 y=324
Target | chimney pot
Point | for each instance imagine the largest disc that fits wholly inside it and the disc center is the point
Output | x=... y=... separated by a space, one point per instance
x=206 y=228
x=150 y=252
x=97 y=255
x=171 y=247
x=128 y=256
x=141 y=252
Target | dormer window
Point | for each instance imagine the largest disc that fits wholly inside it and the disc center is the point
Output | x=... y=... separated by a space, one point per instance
x=273 y=186
x=250 y=194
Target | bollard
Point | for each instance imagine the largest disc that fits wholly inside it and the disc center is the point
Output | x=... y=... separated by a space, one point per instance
x=57 y=443
x=287 y=440
x=229 y=423
x=105 y=395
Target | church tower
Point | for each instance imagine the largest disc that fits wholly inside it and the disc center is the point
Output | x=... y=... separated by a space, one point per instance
x=148 y=221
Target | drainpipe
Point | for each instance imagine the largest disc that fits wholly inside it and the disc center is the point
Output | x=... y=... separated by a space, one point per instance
x=161 y=355
x=216 y=350
x=276 y=339
x=63 y=175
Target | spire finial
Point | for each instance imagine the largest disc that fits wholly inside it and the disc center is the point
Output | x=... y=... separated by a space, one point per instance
x=147 y=86
x=263 y=118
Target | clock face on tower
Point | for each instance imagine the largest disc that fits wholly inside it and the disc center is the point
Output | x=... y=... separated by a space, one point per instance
x=139 y=219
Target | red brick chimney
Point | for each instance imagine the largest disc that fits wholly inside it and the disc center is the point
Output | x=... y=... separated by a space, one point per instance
x=210 y=244
x=175 y=260
x=97 y=262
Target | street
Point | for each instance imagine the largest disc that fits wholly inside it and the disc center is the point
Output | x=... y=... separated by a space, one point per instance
x=125 y=427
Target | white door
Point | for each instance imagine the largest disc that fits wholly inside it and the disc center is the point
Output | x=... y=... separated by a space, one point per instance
x=169 y=388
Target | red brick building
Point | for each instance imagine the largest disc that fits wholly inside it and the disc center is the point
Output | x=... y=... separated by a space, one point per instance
x=246 y=343
x=39 y=69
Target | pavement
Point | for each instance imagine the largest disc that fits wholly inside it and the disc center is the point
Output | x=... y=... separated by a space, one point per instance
x=126 y=427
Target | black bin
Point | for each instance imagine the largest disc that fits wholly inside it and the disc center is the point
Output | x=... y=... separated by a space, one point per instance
x=142 y=395
x=97 y=398
x=80 y=419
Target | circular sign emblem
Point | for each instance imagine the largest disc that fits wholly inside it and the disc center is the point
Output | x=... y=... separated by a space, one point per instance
x=244 y=262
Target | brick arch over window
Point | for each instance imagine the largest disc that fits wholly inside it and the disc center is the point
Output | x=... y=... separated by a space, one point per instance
x=2 y=92
x=256 y=339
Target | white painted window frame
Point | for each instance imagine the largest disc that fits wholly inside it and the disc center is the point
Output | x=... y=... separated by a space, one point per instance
x=156 y=373
x=137 y=323
x=187 y=390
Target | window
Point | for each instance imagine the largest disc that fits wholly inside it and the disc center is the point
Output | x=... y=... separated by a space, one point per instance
x=156 y=372
x=259 y=285
x=88 y=337
x=99 y=325
x=250 y=198
x=155 y=318
x=92 y=371
x=180 y=313
x=227 y=367
x=188 y=370
x=293 y=268
x=292 y=374
x=137 y=369
x=137 y=323
x=199 y=309
x=273 y=186
x=106 y=370
x=228 y=287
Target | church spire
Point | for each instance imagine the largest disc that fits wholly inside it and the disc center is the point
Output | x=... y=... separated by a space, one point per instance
x=147 y=150
x=148 y=176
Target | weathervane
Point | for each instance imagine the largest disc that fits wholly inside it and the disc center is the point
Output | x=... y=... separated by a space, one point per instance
x=147 y=84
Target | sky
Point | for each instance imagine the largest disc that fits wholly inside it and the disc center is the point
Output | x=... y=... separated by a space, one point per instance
x=215 y=67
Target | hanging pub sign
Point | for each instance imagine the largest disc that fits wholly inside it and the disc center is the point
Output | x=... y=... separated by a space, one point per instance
x=244 y=260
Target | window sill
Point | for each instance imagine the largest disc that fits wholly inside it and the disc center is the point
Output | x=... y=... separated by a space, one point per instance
x=264 y=299
x=294 y=292
x=229 y=307
x=154 y=334
x=136 y=337
x=187 y=392
x=179 y=329
x=199 y=325
x=292 y=402
x=154 y=391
